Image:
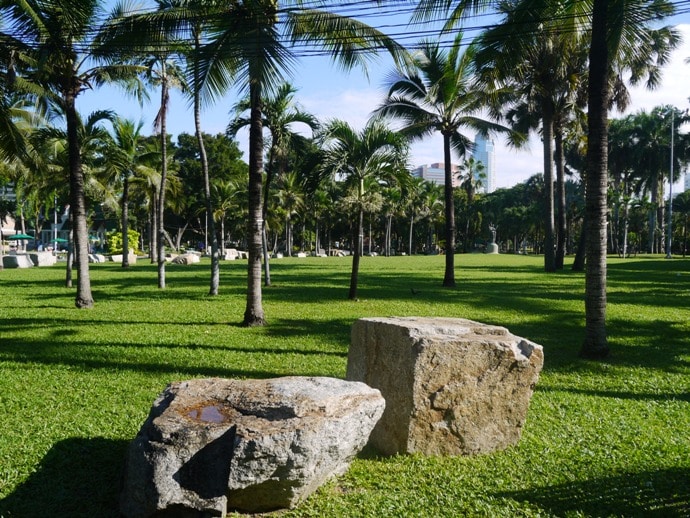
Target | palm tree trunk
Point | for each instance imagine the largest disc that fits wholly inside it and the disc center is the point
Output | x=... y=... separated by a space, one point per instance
x=264 y=245
x=449 y=275
x=70 y=254
x=125 y=221
x=560 y=198
x=547 y=139
x=409 y=248
x=164 y=177
x=210 y=220
x=254 y=313
x=354 y=276
x=652 y=215
x=153 y=230
x=626 y=224
x=595 y=344
x=222 y=234
x=685 y=236
x=84 y=299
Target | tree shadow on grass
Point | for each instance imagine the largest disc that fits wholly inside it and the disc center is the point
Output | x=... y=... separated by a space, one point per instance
x=661 y=493
x=77 y=477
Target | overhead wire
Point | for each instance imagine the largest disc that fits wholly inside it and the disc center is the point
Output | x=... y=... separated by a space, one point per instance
x=386 y=18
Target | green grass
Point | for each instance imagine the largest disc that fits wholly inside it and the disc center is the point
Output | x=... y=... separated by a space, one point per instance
x=602 y=438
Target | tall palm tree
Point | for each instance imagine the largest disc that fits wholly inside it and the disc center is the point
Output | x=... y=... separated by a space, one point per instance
x=253 y=44
x=94 y=141
x=620 y=29
x=376 y=152
x=290 y=197
x=123 y=160
x=438 y=94
x=543 y=62
x=174 y=32
x=681 y=207
x=472 y=176
x=249 y=45
x=58 y=37
x=413 y=195
x=163 y=70
x=280 y=113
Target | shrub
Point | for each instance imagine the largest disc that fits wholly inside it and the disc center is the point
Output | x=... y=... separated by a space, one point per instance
x=113 y=241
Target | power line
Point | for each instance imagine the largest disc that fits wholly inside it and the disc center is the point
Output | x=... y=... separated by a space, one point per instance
x=384 y=18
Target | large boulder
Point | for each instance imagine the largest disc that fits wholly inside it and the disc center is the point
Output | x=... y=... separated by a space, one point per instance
x=210 y=445
x=452 y=386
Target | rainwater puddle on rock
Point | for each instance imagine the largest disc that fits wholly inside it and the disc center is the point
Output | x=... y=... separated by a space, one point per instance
x=208 y=414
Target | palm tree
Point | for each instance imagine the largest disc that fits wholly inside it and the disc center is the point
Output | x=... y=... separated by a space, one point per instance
x=472 y=177
x=413 y=196
x=123 y=160
x=280 y=112
x=94 y=140
x=543 y=63
x=162 y=69
x=619 y=30
x=58 y=37
x=376 y=152
x=227 y=195
x=438 y=94
x=681 y=207
x=249 y=46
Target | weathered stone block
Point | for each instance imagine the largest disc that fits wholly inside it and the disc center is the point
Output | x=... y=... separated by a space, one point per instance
x=452 y=386
x=210 y=445
x=187 y=259
x=17 y=261
x=43 y=258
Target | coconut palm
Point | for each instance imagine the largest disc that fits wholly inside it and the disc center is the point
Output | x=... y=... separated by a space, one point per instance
x=681 y=207
x=375 y=152
x=438 y=94
x=253 y=44
x=472 y=176
x=57 y=37
x=280 y=113
x=620 y=29
x=543 y=63
x=124 y=158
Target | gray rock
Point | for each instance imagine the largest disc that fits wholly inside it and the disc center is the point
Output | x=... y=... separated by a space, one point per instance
x=452 y=386
x=256 y=445
x=43 y=258
x=186 y=259
x=17 y=261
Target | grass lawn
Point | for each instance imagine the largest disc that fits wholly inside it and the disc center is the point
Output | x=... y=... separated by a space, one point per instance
x=602 y=438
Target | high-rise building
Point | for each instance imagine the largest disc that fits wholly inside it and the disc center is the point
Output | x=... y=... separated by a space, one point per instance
x=484 y=152
x=436 y=173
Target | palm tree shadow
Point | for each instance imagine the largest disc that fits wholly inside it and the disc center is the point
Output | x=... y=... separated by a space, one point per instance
x=78 y=477
x=661 y=493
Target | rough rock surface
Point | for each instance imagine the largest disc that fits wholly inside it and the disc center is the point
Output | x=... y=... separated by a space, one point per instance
x=210 y=445
x=452 y=386
x=43 y=258
x=186 y=259
x=17 y=261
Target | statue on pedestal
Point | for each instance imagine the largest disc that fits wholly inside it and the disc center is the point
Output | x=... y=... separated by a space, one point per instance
x=492 y=248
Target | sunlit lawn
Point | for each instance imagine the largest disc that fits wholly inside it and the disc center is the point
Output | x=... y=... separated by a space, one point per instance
x=602 y=438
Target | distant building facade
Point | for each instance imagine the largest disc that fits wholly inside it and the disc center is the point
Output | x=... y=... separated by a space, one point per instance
x=484 y=152
x=435 y=173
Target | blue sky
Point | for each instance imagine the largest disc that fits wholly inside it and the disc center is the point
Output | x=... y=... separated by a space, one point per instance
x=327 y=92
